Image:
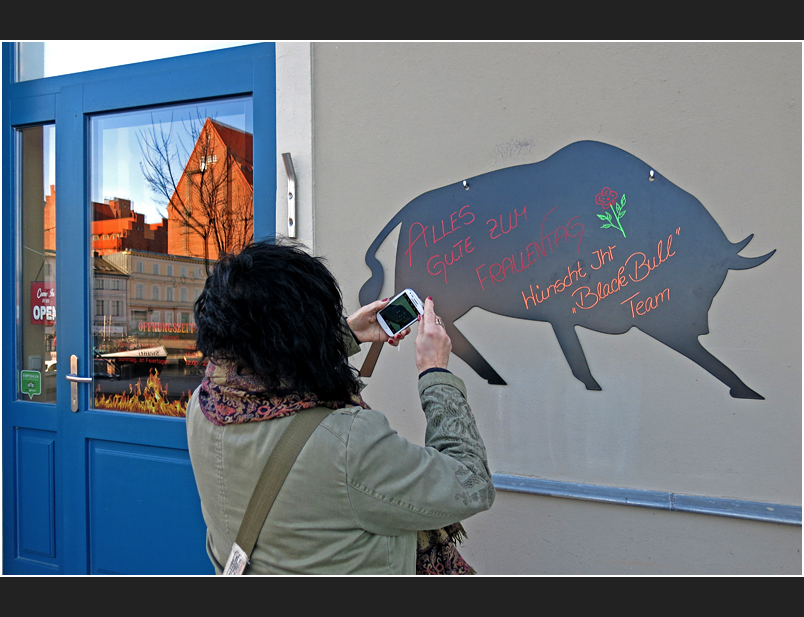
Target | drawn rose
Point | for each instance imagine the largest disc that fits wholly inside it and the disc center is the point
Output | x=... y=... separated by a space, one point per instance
x=605 y=198
x=608 y=199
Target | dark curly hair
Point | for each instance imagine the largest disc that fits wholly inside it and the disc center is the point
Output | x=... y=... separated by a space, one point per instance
x=277 y=312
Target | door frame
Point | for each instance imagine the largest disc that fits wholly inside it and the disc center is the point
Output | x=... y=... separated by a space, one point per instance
x=67 y=101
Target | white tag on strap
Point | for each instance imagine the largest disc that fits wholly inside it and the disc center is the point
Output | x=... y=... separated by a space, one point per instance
x=236 y=563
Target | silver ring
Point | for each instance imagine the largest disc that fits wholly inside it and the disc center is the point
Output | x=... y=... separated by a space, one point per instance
x=439 y=322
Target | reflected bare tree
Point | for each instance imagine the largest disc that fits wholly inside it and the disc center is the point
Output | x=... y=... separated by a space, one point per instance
x=214 y=211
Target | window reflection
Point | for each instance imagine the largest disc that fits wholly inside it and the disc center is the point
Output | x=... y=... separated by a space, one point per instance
x=171 y=191
x=37 y=285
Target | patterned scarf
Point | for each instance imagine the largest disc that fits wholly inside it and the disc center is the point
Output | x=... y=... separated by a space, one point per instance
x=229 y=398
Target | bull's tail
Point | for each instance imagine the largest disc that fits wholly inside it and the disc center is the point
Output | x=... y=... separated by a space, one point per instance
x=738 y=262
x=372 y=287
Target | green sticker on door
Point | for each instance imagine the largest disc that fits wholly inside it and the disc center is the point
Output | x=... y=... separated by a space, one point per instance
x=31 y=383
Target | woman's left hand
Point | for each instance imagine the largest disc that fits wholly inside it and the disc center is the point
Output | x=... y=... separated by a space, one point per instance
x=363 y=323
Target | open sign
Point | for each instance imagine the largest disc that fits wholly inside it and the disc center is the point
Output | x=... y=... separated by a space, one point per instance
x=43 y=303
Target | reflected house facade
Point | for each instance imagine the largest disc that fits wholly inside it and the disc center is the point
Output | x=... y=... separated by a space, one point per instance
x=211 y=210
x=110 y=305
x=161 y=288
x=161 y=292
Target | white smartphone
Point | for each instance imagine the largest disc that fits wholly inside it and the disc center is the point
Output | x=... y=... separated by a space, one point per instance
x=402 y=311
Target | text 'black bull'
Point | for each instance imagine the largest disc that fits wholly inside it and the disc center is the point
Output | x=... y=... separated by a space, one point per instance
x=591 y=236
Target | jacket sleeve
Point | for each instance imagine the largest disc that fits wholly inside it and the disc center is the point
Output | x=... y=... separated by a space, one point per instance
x=395 y=486
x=352 y=344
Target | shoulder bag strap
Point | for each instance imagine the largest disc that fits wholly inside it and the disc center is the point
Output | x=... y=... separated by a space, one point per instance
x=271 y=479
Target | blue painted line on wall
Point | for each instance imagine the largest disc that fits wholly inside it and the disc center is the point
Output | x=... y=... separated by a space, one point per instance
x=717 y=506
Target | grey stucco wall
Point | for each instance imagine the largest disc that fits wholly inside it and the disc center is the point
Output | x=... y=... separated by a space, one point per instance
x=391 y=121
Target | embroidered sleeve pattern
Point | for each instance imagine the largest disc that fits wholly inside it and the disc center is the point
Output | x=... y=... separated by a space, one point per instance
x=452 y=430
x=395 y=485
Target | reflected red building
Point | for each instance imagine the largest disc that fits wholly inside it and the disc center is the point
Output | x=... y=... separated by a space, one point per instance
x=116 y=227
x=212 y=209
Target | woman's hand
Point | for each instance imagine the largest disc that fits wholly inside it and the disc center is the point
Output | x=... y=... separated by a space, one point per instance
x=433 y=344
x=363 y=323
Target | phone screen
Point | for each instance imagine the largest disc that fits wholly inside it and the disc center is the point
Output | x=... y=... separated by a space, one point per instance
x=400 y=313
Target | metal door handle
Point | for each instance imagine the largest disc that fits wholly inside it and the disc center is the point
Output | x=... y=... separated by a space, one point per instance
x=75 y=380
x=79 y=379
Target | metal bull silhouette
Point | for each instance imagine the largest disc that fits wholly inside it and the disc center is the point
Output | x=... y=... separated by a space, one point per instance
x=591 y=236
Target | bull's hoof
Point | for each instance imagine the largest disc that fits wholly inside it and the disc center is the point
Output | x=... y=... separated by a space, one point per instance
x=746 y=392
x=589 y=382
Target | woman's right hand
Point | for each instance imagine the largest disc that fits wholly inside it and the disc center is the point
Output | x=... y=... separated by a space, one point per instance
x=433 y=344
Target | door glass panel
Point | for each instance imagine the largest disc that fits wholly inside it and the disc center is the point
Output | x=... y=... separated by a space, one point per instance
x=171 y=190
x=36 y=288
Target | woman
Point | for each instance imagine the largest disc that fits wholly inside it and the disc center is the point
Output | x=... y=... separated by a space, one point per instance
x=270 y=323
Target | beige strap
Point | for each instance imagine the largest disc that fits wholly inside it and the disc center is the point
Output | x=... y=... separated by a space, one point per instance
x=274 y=473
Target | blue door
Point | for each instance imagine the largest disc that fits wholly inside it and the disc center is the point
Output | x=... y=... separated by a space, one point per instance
x=121 y=188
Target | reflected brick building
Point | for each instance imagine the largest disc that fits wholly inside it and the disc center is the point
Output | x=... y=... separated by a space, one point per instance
x=116 y=227
x=211 y=210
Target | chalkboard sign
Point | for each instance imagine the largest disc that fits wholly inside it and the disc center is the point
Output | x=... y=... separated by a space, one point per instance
x=591 y=236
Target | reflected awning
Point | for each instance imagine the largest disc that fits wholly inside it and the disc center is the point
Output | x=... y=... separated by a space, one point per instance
x=149 y=352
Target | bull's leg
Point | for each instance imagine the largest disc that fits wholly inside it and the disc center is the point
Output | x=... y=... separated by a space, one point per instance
x=466 y=352
x=573 y=352
x=690 y=346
